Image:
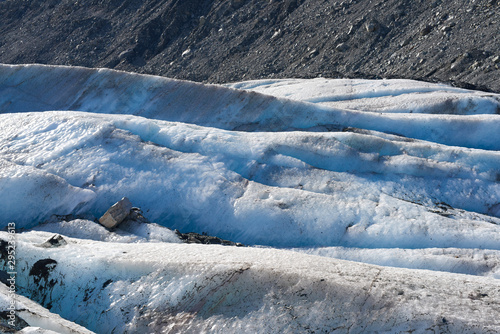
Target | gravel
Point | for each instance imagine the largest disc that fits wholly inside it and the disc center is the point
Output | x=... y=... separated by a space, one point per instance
x=456 y=42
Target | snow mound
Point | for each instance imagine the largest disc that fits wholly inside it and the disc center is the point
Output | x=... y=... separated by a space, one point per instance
x=387 y=96
x=128 y=232
x=317 y=189
x=113 y=287
x=454 y=260
x=39 y=319
x=30 y=195
x=352 y=187
x=43 y=88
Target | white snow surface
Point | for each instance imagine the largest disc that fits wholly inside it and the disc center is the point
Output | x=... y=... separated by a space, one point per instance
x=166 y=287
x=382 y=96
x=27 y=88
x=129 y=231
x=316 y=188
x=40 y=319
x=393 y=173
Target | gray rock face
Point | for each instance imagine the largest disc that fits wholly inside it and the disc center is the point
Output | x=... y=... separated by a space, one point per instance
x=55 y=241
x=117 y=213
x=196 y=238
x=237 y=40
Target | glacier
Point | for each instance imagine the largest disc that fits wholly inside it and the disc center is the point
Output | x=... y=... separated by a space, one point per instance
x=366 y=205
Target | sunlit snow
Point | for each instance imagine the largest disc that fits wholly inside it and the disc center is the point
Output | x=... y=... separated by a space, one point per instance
x=393 y=173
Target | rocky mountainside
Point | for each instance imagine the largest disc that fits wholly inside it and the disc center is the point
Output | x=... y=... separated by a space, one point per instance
x=230 y=40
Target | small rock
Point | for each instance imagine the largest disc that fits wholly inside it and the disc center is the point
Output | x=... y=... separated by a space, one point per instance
x=136 y=216
x=117 y=213
x=341 y=47
x=196 y=238
x=475 y=66
x=405 y=42
x=425 y=31
x=276 y=34
x=313 y=53
x=56 y=241
x=477 y=295
x=446 y=28
x=370 y=26
x=461 y=62
x=126 y=54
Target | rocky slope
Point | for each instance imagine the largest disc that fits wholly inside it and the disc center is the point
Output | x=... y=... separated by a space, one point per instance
x=230 y=40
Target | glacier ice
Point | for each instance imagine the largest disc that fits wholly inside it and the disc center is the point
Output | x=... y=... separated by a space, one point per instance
x=400 y=175
x=166 y=287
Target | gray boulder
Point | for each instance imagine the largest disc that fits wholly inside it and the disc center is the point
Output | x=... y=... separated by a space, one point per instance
x=117 y=213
